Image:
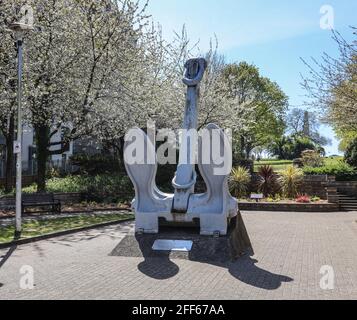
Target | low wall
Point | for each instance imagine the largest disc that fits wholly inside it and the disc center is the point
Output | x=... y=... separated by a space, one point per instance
x=289 y=207
x=345 y=187
x=316 y=185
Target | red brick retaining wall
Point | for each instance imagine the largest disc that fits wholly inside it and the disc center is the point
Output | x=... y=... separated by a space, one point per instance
x=296 y=207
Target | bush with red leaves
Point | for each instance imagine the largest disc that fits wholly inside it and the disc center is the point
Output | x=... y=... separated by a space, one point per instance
x=303 y=199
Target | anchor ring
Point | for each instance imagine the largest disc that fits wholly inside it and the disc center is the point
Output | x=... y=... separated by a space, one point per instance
x=197 y=66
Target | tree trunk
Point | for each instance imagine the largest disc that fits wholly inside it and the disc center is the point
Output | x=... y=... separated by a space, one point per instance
x=242 y=146
x=42 y=153
x=9 y=167
x=248 y=150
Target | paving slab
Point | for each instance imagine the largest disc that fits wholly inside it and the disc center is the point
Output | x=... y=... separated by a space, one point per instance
x=295 y=256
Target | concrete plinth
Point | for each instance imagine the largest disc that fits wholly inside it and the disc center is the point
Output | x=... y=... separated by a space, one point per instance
x=205 y=248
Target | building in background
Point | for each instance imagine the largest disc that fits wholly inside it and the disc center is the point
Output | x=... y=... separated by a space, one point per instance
x=29 y=153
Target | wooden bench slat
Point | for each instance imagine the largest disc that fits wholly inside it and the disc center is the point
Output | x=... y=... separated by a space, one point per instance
x=38 y=200
x=39 y=203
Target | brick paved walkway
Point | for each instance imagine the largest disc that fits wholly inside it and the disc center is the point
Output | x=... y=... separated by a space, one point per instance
x=290 y=249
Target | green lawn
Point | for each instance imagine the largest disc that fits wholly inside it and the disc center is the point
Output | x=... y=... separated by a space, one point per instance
x=280 y=165
x=32 y=228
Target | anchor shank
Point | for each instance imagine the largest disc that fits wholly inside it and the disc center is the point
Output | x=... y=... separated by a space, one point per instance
x=191 y=111
x=185 y=179
x=185 y=169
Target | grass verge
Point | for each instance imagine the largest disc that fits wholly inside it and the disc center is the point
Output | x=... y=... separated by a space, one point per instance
x=33 y=228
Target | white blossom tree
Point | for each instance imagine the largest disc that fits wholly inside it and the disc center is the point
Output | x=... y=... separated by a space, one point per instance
x=8 y=86
x=78 y=64
x=331 y=85
x=97 y=68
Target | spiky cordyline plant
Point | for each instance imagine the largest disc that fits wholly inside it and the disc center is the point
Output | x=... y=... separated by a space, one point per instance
x=267 y=181
x=290 y=181
x=239 y=181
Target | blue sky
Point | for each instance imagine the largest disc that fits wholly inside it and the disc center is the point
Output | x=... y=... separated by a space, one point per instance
x=272 y=34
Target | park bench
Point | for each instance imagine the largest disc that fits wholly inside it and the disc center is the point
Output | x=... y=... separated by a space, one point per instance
x=41 y=200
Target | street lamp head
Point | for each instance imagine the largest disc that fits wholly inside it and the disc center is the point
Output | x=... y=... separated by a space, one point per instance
x=20 y=29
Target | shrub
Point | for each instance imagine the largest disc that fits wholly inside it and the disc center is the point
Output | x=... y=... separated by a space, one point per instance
x=267 y=180
x=315 y=199
x=302 y=144
x=53 y=173
x=239 y=182
x=303 y=199
x=298 y=162
x=351 y=154
x=340 y=169
x=291 y=147
x=312 y=158
x=276 y=198
x=107 y=188
x=30 y=189
x=245 y=163
x=96 y=164
x=100 y=188
x=164 y=176
x=290 y=180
